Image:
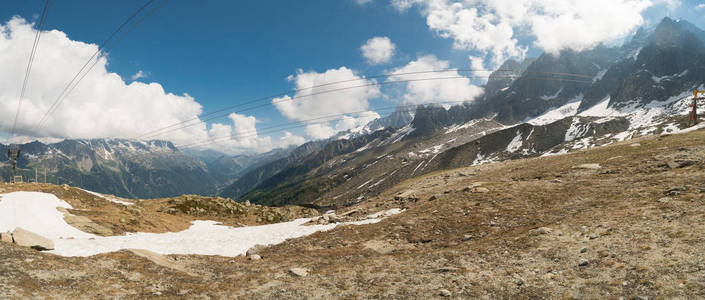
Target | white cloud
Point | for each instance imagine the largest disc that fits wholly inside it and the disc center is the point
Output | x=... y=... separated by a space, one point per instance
x=319 y=131
x=430 y=91
x=494 y=28
x=378 y=50
x=363 y=2
x=103 y=105
x=138 y=75
x=347 y=98
x=700 y=6
x=242 y=136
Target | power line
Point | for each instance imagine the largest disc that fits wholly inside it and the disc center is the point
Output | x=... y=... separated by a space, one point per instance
x=105 y=45
x=157 y=132
x=32 y=54
x=151 y=133
x=319 y=120
x=335 y=90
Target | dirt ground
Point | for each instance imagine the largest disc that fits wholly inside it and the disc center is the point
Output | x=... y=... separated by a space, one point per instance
x=555 y=227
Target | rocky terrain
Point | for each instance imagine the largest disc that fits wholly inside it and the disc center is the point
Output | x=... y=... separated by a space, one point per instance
x=623 y=220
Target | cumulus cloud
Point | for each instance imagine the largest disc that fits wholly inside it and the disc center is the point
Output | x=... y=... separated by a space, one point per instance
x=103 y=105
x=138 y=75
x=242 y=136
x=493 y=28
x=363 y=2
x=434 y=91
x=349 y=98
x=378 y=50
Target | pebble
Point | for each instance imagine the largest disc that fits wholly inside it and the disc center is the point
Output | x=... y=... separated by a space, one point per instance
x=467 y=237
x=583 y=262
x=593 y=236
x=444 y=293
x=583 y=250
x=255 y=257
x=544 y=230
x=664 y=200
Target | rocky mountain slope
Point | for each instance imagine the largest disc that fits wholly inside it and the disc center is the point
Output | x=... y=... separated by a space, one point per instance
x=115 y=166
x=643 y=87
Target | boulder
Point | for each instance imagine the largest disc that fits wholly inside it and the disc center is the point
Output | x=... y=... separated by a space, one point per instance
x=30 y=239
x=300 y=272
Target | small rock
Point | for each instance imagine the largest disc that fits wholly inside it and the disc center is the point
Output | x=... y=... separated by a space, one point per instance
x=301 y=272
x=444 y=293
x=520 y=282
x=593 y=236
x=448 y=191
x=583 y=262
x=588 y=166
x=6 y=237
x=583 y=250
x=680 y=163
x=467 y=237
x=256 y=249
x=556 y=181
x=544 y=230
x=664 y=200
x=480 y=190
x=635 y=145
x=432 y=198
x=255 y=257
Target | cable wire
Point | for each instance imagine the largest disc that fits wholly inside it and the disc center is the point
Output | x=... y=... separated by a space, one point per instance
x=335 y=90
x=32 y=54
x=76 y=80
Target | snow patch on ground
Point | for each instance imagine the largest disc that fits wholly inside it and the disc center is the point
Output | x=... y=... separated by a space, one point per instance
x=37 y=212
x=576 y=130
x=457 y=127
x=554 y=96
x=555 y=114
x=111 y=199
x=600 y=109
x=516 y=143
x=599 y=75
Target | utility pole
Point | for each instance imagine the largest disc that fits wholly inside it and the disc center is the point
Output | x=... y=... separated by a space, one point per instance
x=13 y=152
x=36 y=176
x=45 y=175
x=694 y=113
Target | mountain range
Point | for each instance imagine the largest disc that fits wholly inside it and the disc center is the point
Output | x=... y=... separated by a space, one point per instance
x=549 y=105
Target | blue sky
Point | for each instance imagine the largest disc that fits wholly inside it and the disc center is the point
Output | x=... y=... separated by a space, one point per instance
x=224 y=52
